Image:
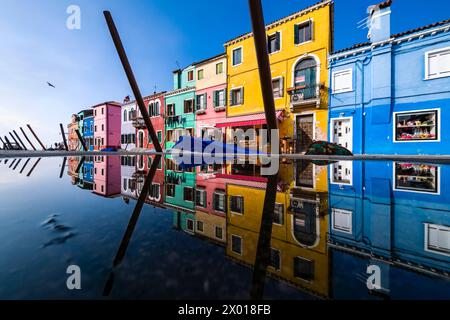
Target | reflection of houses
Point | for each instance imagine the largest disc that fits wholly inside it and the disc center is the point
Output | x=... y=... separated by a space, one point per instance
x=180 y=106
x=73 y=140
x=86 y=174
x=396 y=212
x=390 y=95
x=179 y=186
x=299 y=253
x=107 y=125
x=155 y=108
x=73 y=163
x=127 y=171
x=298 y=48
x=156 y=191
x=107 y=176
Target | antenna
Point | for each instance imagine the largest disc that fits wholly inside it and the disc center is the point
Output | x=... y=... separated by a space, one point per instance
x=178 y=64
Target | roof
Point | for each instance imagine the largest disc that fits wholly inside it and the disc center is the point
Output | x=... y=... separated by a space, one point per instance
x=154 y=95
x=289 y=17
x=174 y=92
x=397 y=35
x=385 y=4
x=216 y=57
x=112 y=103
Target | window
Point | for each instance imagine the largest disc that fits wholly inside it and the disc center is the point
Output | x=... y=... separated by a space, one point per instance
x=200 y=226
x=201 y=102
x=237 y=56
x=170 y=109
x=189 y=106
x=437 y=64
x=275 y=259
x=342 y=81
x=219 y=233
x=219 y=201
x=103 y=111
x=236 y=244
x=154 y=192
x=170 y=190
x=303 y=269
x=237 y=204
x=237 y=96
x=219 y=98
x=416 y=177
x=417 y=126
x=95 y=128
x=342 y=220
x=274 y=42
x=437 y=239
x=277 y=86
x=278 y=217
x=190 y=224
x=200 y=74
x=159 y=134
x=219 y=68
x=190 y=75
x=303 y=32
x=200 y=198
x=188 y=194
x=341 y=173
x=103 y=127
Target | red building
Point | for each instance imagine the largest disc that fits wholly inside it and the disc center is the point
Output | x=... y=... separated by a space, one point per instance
x=156 y=192
x=155 y=107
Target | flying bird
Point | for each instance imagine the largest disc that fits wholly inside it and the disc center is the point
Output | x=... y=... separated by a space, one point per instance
x=51 y=85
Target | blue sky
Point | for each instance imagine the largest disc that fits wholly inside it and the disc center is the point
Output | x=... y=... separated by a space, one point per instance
x=83 y=65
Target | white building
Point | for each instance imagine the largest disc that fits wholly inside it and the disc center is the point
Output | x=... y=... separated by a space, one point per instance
x=128 y=137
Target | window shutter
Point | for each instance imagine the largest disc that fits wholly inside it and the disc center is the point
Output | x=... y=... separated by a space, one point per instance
x=278 y=42
x=231 y=98
x=205 y=101
x=242 y=96
x=215 y=99
x=282 y=87
x=296 y=35
x=224 y=97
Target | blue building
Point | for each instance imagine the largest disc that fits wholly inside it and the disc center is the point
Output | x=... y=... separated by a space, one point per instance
x=86 y=127
x=391 y=95
x=395 y=212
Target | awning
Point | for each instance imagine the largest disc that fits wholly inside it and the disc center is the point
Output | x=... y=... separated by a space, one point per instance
x=248 y=120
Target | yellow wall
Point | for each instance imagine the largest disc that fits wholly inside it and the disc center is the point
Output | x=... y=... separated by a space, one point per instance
x=282 y=64
x=210 y=221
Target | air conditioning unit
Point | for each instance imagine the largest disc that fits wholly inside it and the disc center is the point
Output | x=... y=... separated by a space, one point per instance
x=297 y=97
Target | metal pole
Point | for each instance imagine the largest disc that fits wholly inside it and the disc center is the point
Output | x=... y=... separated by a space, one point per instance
x=131 y=79
x=36 y=137
x=81 y=140
x=15 y=141
x=64 y=136
x=26 y=163
x=34 y=166
x=26 y=137
x=20 y=140
x=265 y=234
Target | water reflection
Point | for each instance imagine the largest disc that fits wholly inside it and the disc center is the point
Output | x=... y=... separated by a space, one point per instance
x=331 y=226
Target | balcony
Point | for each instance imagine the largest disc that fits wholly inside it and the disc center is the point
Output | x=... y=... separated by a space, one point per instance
x=306 y=95
x=138 y=120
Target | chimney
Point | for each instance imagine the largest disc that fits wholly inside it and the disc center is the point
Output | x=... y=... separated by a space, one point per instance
x=379 y=21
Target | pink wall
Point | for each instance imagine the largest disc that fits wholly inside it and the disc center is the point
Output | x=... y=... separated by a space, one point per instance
x=211 y=117
x=210 y=183
x=107 y=115
x=107 y=175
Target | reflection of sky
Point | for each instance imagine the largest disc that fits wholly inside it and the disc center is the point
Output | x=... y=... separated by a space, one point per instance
x=37 y=47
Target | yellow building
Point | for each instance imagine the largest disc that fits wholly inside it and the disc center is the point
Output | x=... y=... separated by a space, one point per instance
x=298 y=46
x=299 y=243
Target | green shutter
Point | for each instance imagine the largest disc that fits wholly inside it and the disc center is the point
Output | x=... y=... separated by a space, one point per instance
x=215 y=99
x=296 y=35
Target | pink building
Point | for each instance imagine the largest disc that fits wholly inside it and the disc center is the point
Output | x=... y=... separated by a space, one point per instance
x=211 y=93
x=107 y=125
x=107 y=176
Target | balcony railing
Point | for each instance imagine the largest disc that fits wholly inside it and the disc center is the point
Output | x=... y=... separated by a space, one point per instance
x=305 y=94
x=138 y=120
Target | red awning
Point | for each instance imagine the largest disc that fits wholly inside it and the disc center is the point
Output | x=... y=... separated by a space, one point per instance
x=247 y=120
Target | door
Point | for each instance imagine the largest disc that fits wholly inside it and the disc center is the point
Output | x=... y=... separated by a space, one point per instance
x=304 y=132
x=342 y=133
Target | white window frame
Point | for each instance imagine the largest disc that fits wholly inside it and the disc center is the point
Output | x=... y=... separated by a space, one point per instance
x=333 y=211
x=341 y=183
x=438 y=123
x=242 y=244
x=427 y=68
x=196 y=226
x=334 y=74
x=215 y=232
x=426 y=245
x=438 y=177
x=187 y=224
x=187 y=75
x=232 y=56
x=281 y=41
x=193 y=105
x=312 y=31
x=333 y=120
x=193 y=194
x=238 y=213
x=217 y=64
x=282 y=214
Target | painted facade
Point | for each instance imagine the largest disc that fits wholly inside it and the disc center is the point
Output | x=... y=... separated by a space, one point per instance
x=390 y=95
x=86 y=127
x=155 y=107
x=128 y=131
x=127 y=173
x=179 y=186
x=107 y=176
x=72 y=139
x=107 y=125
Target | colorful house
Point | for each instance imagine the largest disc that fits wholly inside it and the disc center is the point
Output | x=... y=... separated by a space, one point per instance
x=107 y=176
x=107 y=125
x=298 y=46
x=179 y=187
x=390 y=95
x=128 y=131
x=155 y=107
x=211 y=94
x=86 y=127
x=73 y=140
x=127 y=171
